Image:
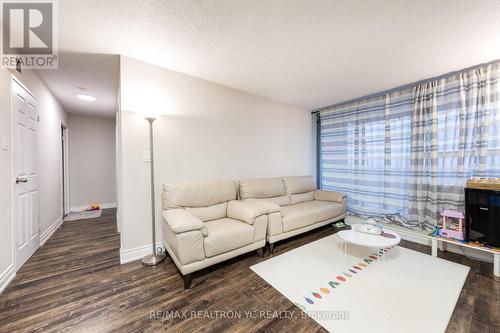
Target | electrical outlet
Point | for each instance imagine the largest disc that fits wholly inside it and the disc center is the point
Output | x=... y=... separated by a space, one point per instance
x=5 y=143
x=146 y=156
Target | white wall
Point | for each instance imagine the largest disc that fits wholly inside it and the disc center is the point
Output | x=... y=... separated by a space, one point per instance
x=92 y=161
x=51 y=115
x=209 y=132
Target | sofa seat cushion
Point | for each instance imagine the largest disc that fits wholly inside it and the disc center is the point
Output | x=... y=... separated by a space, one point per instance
x=299 y=215
x=328 y=210
x=310 y=212
x=225 y=235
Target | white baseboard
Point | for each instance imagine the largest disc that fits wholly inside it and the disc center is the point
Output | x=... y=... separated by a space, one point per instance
x=136 y=253
x=423 y=239
x=47 y=233
x=6 y=277
x=103 y=206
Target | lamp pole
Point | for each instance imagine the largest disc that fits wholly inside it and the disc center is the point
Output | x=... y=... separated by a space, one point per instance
x=153 y=258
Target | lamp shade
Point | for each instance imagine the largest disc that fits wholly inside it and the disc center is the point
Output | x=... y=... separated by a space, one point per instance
x=150 y=114
x=148 y=100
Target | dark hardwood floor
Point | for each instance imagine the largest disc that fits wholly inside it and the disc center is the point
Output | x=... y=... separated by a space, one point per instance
x=75 y=283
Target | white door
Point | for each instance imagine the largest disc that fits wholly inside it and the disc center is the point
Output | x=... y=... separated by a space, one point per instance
x=24 y=116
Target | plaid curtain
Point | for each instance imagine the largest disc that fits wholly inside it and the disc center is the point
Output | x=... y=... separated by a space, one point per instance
x=408 y=153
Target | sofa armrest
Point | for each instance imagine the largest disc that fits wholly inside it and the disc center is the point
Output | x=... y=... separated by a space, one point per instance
x=329 y=196
x=184 y=248
x=244 y=211
x=180 y=221
x=270 y=207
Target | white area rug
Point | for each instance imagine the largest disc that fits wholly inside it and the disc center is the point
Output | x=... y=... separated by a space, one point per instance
x=409 y=292
x=91 y=214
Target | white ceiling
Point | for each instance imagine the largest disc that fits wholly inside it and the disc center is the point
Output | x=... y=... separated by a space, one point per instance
x=309 y=53
x=97 y=74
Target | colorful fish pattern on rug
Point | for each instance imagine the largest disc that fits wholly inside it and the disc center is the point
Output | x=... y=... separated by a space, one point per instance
x=340 y=279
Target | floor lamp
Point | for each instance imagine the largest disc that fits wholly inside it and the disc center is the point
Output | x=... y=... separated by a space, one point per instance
x=154 y=258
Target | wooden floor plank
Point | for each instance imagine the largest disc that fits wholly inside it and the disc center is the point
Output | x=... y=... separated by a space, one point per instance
x=75 y=283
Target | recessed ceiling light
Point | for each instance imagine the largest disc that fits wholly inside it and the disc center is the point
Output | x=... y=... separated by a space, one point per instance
x=85 y=97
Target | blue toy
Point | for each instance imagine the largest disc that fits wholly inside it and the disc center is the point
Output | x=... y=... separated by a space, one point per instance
x=436 y=231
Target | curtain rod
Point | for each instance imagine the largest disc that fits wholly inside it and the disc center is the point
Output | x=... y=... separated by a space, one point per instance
x=404 y=86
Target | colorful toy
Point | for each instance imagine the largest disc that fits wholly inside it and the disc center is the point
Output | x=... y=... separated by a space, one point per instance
x=94 y=207
x=451 y=229
x=436 y=231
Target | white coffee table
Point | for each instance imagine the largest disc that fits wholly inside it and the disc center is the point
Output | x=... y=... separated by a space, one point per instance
x=367 y=240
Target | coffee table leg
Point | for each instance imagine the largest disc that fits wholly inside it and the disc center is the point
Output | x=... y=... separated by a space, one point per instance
x=343 y=249
x=380 y=253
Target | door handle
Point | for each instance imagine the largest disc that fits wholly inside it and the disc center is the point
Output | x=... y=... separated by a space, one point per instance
x=23 y=179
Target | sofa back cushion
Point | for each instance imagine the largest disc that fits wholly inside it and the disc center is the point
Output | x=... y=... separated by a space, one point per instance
x=261 y=188
x=301 y=197
x=198 y=194
x=280 y=201
x=214 y=212
x=300 y=184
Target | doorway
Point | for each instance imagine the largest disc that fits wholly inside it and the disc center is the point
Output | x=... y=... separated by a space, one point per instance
x=65 y=171
x=25 y=199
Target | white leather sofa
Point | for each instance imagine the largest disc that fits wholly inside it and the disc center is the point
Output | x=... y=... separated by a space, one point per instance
x=293 y=205
x=204 y=224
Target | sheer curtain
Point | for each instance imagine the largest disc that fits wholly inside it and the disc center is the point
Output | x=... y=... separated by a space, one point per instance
x=408 y=153
x=455 y=136
x=365 y=153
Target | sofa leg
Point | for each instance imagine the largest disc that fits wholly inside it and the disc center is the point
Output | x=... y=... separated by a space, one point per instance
x=260 y=252
x=187 y=281
x=271 y=247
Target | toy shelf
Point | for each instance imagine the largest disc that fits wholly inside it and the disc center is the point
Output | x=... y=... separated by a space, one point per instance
x=493 y=250
x=424 y=238
x=471 y=245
